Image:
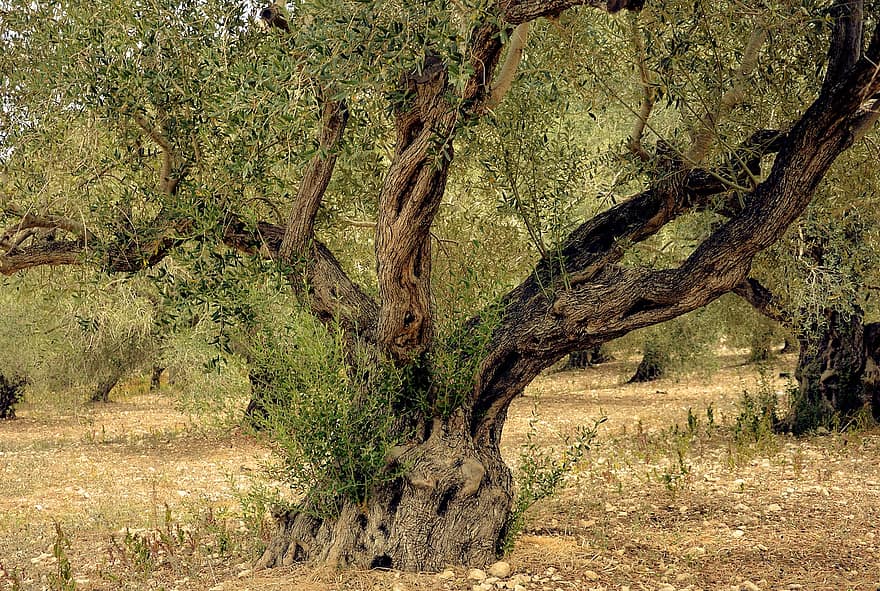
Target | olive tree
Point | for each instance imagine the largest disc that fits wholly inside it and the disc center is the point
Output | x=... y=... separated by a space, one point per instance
x=137 y=132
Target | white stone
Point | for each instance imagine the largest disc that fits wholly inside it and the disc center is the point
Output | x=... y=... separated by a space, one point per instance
x=737 y=533
x=500 y=569
x=774 y=508
x=476 y=574
x=591 y=575
x=749 y=586
x=519 y=579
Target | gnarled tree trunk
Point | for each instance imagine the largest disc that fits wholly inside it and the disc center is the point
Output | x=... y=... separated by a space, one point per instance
x=836 y=372
x=652 y=366
x=450 y=506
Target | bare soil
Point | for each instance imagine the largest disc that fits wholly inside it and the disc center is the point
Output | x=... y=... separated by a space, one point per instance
x=135 y=495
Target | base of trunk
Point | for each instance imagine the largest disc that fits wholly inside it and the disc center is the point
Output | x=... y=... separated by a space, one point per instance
x=102 y=391
x=652 y=366
x=587 y=358
x=451 y=506
x=837 y=375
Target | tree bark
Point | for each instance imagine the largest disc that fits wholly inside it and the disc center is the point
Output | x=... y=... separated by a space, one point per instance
x=156 y=378
x=450 y=506
x=11 y=393
x=102 y=392
x=652 y=366
x=836 y=374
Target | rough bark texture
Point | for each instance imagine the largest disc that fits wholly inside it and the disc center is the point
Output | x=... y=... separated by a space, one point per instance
x=451 y=506
x=837 y=374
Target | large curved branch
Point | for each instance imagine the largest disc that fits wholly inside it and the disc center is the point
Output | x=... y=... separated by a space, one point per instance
x=544 y=320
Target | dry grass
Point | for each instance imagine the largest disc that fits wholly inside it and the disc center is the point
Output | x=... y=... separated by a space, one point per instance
x=650 y=508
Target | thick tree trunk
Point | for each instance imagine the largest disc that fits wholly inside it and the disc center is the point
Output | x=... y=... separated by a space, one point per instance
x=451 y=505
x=836 y=374
x=11 y=393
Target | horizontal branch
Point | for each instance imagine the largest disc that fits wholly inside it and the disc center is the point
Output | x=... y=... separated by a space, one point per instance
x=516 y=12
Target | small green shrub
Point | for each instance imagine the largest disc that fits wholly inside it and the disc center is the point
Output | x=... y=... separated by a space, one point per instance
x=62 y=579
x=331 y=426
x=542 y=471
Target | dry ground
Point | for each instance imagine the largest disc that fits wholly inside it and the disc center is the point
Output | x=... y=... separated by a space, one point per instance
x=147 y=500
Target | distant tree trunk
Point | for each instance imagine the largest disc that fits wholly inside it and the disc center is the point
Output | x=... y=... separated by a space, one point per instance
x=587 y=358
x=11 y=393
x=102 y=391
x=837 y=373
x=156 y=378
x=653 y=365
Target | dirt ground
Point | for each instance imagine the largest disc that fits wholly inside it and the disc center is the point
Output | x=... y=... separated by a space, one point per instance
x=134 y=495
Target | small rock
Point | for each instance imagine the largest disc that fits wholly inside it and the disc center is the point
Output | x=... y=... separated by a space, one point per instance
x=666 y=587
x=244 y=573
x=749 y=586
x=476 y=574
x=500 y=569
x=625 y=588
x=591 y=575
x=774 y=508
x=519 y=588
x=761 y=548
x=491 y=580
x=398 y=586
x=519 y=579
x=737 y=533
x=446 y=575
x=822 y=431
